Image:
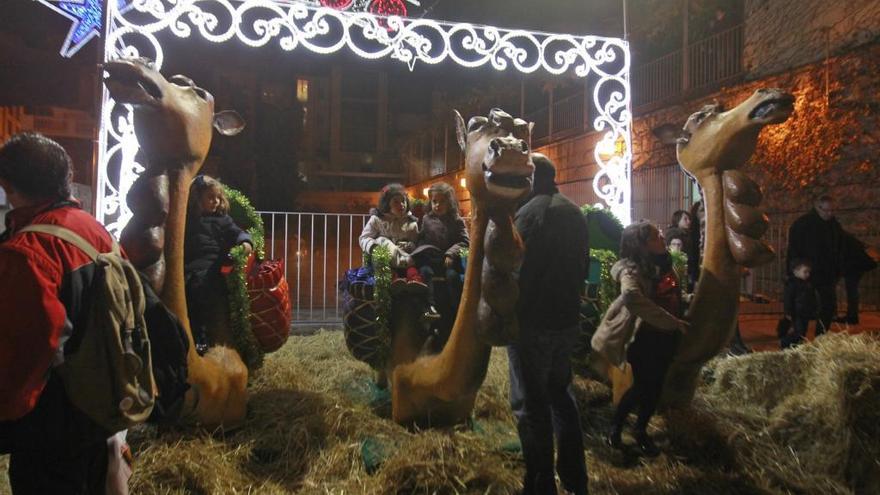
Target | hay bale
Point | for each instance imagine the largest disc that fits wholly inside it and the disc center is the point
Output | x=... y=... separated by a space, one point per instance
x=312 y=412
x=309 y=414
x=805 y=420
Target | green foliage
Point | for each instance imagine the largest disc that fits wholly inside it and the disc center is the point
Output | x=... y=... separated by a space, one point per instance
x=381 y=260
x=604 y=227
x=246 y=217
x=608 y=290
x=679 y=266
x=243 y=337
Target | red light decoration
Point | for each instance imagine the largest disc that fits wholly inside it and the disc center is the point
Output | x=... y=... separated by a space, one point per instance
x=388 y=7
x=337 y=4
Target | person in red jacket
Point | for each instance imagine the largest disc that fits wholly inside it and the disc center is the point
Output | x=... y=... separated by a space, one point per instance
x=44 y=294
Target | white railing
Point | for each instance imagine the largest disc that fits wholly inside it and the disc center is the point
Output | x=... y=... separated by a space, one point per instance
x=317 y=249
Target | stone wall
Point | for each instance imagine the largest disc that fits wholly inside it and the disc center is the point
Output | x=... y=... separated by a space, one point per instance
x=830 y=145
x=782 y=34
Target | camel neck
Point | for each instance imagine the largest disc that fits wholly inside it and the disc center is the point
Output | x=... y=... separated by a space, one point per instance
x=465 y=358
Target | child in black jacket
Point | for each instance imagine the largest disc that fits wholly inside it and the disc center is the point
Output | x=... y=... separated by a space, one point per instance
x=210 y=234
x=800 y=303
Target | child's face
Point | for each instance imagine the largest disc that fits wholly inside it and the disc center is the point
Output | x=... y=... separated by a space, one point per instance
x=802 y=272
x=684 y=222
x=210 y=201
x=439 y=204
x=398 y=205
x=675 y=246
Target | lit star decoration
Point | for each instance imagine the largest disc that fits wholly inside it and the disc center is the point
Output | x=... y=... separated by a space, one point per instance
x=87 y=20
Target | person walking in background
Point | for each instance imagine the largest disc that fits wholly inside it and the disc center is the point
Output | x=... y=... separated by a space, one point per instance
x=800 y=304
x=854 y=262
x=551 y=282
x=694 y=247
x=817 y=237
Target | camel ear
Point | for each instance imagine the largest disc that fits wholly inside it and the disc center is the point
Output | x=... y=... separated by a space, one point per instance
x=228 y=122
x=460 y=130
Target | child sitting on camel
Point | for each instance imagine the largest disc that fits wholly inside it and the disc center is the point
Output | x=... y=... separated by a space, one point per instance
x=210 y=234
x=391 y=225
x=442 y=236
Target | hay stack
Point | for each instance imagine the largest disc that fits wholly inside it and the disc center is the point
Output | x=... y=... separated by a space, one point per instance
x=805 y=420
x=309 y=414
x=802 y=421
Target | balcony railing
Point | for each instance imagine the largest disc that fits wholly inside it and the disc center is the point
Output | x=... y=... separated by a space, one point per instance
x=703 y=65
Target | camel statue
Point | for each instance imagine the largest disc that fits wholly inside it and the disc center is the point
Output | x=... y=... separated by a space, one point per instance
x=441 y=389
x=714 y=144
x=173 y=122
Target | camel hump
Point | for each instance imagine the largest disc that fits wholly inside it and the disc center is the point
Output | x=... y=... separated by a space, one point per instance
x=747 y=251
x=739 y=188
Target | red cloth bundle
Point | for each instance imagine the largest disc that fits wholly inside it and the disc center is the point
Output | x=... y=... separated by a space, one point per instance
x=270 y=303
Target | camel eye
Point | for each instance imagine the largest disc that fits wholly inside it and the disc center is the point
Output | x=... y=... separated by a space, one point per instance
x=476 y=123
x=182 y=81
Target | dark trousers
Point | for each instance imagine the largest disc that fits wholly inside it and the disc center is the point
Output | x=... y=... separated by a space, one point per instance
x=650 y=355
x=206 y=302
x=798 y=333
x=541 y=398
x=851 y=282
x=827 y=307
x=40 y=473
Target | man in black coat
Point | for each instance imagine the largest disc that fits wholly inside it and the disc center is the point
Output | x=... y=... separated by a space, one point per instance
x=551 y=282
x=817 y=237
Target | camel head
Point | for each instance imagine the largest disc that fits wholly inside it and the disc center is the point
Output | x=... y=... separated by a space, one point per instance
x=498 y=165
x=174 y=117
x=713 y=141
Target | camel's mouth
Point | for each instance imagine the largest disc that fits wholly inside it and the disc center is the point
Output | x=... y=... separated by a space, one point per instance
x=507 y=184
x=773 y=110
x=128 y=83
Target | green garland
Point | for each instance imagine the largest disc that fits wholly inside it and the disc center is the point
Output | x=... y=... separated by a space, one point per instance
x=608 y=289
x=381 y=260
x=244 y=214
x=679 y=266
x=243 y=337
x=244 y=341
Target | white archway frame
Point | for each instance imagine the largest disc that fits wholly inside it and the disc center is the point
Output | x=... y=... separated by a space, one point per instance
x=293 y=25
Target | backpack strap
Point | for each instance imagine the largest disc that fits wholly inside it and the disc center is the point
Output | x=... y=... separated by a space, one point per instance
x=69 y=236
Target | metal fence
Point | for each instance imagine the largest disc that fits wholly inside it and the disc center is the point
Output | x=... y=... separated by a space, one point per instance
x=317 y=249
x=657 y=192
x=704 y=64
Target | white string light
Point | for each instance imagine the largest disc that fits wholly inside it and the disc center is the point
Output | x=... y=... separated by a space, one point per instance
x=257 y=23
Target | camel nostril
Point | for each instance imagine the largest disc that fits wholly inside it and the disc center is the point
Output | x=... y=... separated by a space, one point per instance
x=525 y=146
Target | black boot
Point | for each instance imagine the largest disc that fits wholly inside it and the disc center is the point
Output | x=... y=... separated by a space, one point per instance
x=613 y=438
x=646 y=445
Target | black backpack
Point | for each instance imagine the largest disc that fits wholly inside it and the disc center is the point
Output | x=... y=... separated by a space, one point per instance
x=169 y=348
